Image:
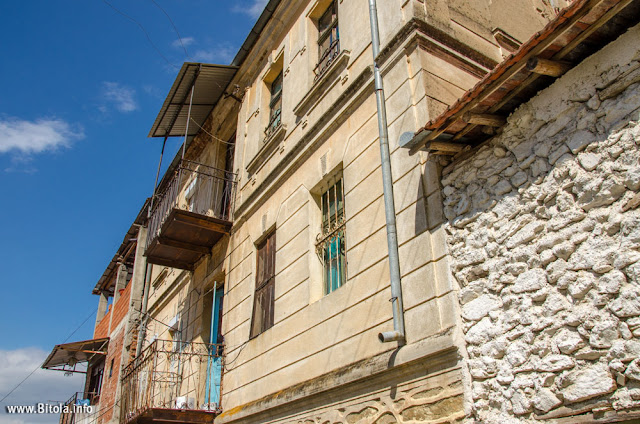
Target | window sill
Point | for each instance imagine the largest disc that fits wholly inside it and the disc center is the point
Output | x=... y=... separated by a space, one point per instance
x=267 y=150
x=320 y=86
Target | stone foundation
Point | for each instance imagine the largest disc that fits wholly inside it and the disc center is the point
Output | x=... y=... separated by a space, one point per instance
x=429 y=390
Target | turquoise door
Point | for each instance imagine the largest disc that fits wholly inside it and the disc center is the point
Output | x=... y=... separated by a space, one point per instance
x=214 y=365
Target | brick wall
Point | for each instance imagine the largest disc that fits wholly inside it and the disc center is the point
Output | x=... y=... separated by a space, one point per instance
x=119 y=311
x=111 y=376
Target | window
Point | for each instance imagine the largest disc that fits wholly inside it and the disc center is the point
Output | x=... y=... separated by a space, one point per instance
x=95 y=382
x=263 y=300
x=331 y=240
x=190 y=194
x=275 y=106
x=328 y=39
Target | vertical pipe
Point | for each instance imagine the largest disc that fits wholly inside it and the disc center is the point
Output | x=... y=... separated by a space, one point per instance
x=186 y=131
x=142 y=334
x=387 y=182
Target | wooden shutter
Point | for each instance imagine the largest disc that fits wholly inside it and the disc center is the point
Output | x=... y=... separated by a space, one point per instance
x=263 y=303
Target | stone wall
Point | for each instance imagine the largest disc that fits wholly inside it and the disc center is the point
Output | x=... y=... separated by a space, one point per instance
x=543 y=228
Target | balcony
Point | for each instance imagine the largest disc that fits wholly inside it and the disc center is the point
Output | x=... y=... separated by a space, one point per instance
x=176 y=382
x=79 y=409
x=190 y=215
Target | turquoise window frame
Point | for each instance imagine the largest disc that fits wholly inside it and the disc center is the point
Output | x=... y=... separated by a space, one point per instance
x=331 y=246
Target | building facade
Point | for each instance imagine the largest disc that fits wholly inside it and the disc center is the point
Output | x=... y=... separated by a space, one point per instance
x=266 y=268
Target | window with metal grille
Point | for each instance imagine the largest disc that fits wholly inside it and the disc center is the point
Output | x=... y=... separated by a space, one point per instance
x=263 y=301
x=328 y=39
x=275 y=106
x=330 y=245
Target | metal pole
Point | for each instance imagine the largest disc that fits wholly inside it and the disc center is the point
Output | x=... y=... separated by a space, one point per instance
x=387 y=183
x=186 y=131
x=155 y=185
x=142 y=334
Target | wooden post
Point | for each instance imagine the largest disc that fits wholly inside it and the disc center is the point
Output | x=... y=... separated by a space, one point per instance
x=484 y=119
x=551 y=68
x=443 y=146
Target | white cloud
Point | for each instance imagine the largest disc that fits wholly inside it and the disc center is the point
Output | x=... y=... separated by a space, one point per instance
x=254 y=9
x=29 y=137
x=186 y=41
x=221 y=53
x=123 y=98
x=42 y=387
x=153 y=91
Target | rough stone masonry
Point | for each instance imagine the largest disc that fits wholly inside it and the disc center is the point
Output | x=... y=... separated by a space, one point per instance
x=543 y=229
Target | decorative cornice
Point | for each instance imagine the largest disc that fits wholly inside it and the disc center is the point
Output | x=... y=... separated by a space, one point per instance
x=439 y=42
x=309 y=141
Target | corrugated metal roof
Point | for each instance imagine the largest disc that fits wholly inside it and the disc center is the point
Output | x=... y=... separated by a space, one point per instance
x=210 y=82
x=72 y=353
x=578 y=31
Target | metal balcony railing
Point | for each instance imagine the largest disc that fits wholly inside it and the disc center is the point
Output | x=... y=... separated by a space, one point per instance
x=172 y=375
x=326 y=59
x=196 y=188
x=79 y=408
x=274 y=124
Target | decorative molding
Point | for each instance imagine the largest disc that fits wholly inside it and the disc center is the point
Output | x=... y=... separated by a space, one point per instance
x=267 y=150
x=357 y=91
x=440 y=44
x=322 y=86
x=437 y=354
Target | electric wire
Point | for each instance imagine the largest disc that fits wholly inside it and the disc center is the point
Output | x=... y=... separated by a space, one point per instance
x=39 y=366
x=143 y=30
x=105 y=409
x=211 y=135
x=156 y=320
x=175 y=29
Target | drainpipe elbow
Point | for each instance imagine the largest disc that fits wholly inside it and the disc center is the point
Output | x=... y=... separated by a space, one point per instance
x=391 y=336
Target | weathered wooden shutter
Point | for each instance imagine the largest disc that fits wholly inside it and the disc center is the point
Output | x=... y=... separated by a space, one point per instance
x=263 y=305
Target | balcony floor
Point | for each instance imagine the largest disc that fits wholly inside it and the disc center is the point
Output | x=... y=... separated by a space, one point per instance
x=173 y=416
x=184 y=238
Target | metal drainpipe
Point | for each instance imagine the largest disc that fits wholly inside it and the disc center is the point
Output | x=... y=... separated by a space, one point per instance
x=387 y=183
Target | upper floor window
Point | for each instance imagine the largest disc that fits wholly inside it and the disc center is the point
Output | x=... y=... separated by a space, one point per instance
x=275 y=106
x=328 y=39
x=264 y=300
x=331 y=240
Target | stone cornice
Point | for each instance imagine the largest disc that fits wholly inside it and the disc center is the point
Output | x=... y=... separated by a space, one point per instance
x=309 y=141
x=441 y=44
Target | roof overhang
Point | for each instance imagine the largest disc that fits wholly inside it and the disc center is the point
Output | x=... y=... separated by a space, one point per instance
x=70 y=354
x=578 y=31
x=125 y=254
x=208 y=82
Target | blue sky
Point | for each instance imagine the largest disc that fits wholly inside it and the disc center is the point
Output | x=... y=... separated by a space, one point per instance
x=80 y=86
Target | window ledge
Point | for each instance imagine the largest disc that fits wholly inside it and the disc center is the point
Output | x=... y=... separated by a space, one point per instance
x=319 y=88
x=267 y=150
